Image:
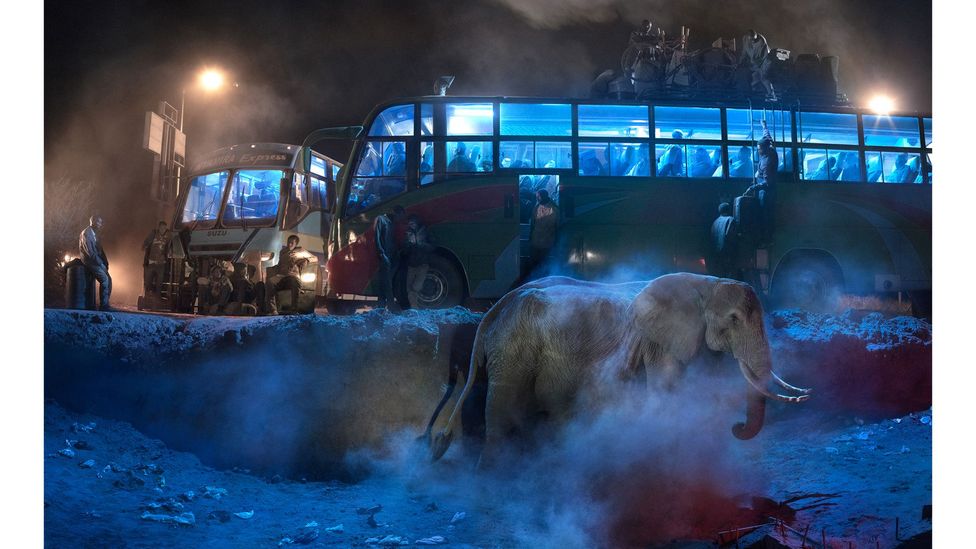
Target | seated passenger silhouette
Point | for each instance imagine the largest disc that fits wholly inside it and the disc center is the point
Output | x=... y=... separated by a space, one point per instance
x=850 y=167
x=826 y=170
x=461 y=162
x=702 y=164
x=742 y=166
x=672 y=161
x=396 y=161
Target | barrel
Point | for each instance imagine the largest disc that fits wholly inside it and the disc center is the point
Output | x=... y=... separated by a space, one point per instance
x=79 y=288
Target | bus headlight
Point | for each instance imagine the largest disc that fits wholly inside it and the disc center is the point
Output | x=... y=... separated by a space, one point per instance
x=308 y=277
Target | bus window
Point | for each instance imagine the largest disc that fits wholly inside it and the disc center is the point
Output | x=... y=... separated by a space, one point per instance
x=469 y=156
x=393 y=122
x=613 y=121
x=825 y=127
x=899 y=167
x=318 y=166
x=890 y=131
x=630 y=159
x=203 y=199
x=298 y=201
x=253 y=196
x=706 y=161
x=318 y=192
x=829 y=165
x=741 y=126
x=536 y=119
x=517 y=154
x=927 y=126
x=741 y=162
x=873 y=165
x=426 y=119
x=691 y=122
x=335 y=172
x=785 y=160
x=554 y=154
x=470 y=118
x=427 y=151
x=671 y=160
x=593 y=159
x=380 y=175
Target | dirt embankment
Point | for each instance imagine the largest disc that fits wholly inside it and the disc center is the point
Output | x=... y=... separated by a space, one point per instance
x=294 y=394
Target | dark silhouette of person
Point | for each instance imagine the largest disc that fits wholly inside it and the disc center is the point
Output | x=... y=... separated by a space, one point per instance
x=755 y=56
x=724 y=243
x=396 y=162
x=417 y=251
x=827 y=170
x=543 y=226
x=702 y=164
x=850 y=167
x=461 y=162
x=95 y=260
x=156 y=247
x=288 y=272
x=387 y=252
x=764 y=188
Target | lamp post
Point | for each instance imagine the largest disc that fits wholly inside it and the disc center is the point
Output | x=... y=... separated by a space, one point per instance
x=210 y=80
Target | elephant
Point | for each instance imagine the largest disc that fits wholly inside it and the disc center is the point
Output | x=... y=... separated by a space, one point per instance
x=545 y=342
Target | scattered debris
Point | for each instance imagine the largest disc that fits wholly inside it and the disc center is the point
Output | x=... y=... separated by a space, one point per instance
x=130 y=480
x=186 y=518
x=213 y=492
x=149 y=469
x=337 y=529
x=431 y=507
x=926 y=420
x=67 y=452
x=304 y=537
x=311 y=524
x=168 y=504
x=82 y=427
x=458 y=517
x=863 y=435
x=275 y=479
x=81 y=445
x=832 y=450
x=371 y=521
x=93 y=514
x=389 y=540
x=433 y=540
x=87 y=464
x=370 y=510
x=219 y=514
x=905 y=450
x=114 y=467
x=245 y=514
x=187 y=496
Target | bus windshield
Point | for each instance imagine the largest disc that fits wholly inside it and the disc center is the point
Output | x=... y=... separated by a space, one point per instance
x=253 y=197
x=203 y=199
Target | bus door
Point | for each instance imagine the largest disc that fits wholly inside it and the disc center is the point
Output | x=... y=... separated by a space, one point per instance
x=529 y=185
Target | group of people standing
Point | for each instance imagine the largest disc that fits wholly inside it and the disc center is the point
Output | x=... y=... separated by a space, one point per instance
x=415 y=251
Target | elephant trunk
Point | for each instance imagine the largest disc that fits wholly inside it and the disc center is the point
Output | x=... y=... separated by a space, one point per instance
x=755 y=415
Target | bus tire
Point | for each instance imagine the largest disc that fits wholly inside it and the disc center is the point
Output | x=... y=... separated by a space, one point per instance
x=444 y=285
x=806 y=283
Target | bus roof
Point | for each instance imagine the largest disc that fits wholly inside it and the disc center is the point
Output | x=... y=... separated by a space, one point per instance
x=737 y=103
x=250 y=155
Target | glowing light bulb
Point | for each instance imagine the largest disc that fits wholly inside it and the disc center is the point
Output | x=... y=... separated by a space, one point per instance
x=211 y=79
x=882 y=104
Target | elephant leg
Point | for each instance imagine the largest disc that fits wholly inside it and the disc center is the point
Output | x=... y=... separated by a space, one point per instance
x=665 y=373
x=506 y=411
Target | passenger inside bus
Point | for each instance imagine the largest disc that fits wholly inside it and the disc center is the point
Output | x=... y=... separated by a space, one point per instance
x=827 y=170
x=850 y=167
x=671 y=163
x=742 y=166
x=396 y=159
x=704 y=164
x=641 y=165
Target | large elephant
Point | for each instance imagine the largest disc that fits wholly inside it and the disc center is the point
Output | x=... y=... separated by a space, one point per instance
x=544 y=342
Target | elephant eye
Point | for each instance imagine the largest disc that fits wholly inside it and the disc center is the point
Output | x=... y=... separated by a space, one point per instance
x=735 y=318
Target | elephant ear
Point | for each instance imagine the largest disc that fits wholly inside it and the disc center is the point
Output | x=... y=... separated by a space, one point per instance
x=716 y=307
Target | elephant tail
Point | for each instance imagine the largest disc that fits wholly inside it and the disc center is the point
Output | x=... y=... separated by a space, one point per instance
x=442 y=441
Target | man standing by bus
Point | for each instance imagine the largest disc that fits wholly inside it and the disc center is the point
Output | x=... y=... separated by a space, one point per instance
x=764 y=187
x=388 y=254
x=288 y=273
x=418 y=249
x=156 y=246
x=542 y=228
x=95 y=260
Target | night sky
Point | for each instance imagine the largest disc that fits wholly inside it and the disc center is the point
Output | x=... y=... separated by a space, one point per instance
x=301 y=66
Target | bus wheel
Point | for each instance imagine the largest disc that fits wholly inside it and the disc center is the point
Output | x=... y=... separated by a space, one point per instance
x=443 y=286
x=806 y=284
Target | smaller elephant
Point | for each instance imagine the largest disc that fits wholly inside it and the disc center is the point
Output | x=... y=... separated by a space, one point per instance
x=545 y=342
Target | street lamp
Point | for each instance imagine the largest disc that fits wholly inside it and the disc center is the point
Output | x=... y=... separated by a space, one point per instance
x=210 y=80
x=882 y=104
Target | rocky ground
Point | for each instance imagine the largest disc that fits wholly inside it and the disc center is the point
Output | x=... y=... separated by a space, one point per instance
x=853 y=468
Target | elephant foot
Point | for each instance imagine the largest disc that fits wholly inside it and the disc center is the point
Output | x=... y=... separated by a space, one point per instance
x=741 y=432
x=440 y=445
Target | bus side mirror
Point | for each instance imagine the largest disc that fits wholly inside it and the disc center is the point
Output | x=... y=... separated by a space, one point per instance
x=306 y=159
x=341 y=133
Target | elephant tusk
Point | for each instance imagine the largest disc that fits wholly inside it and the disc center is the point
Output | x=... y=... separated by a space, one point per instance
x=786 y=385
x=751 y=378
